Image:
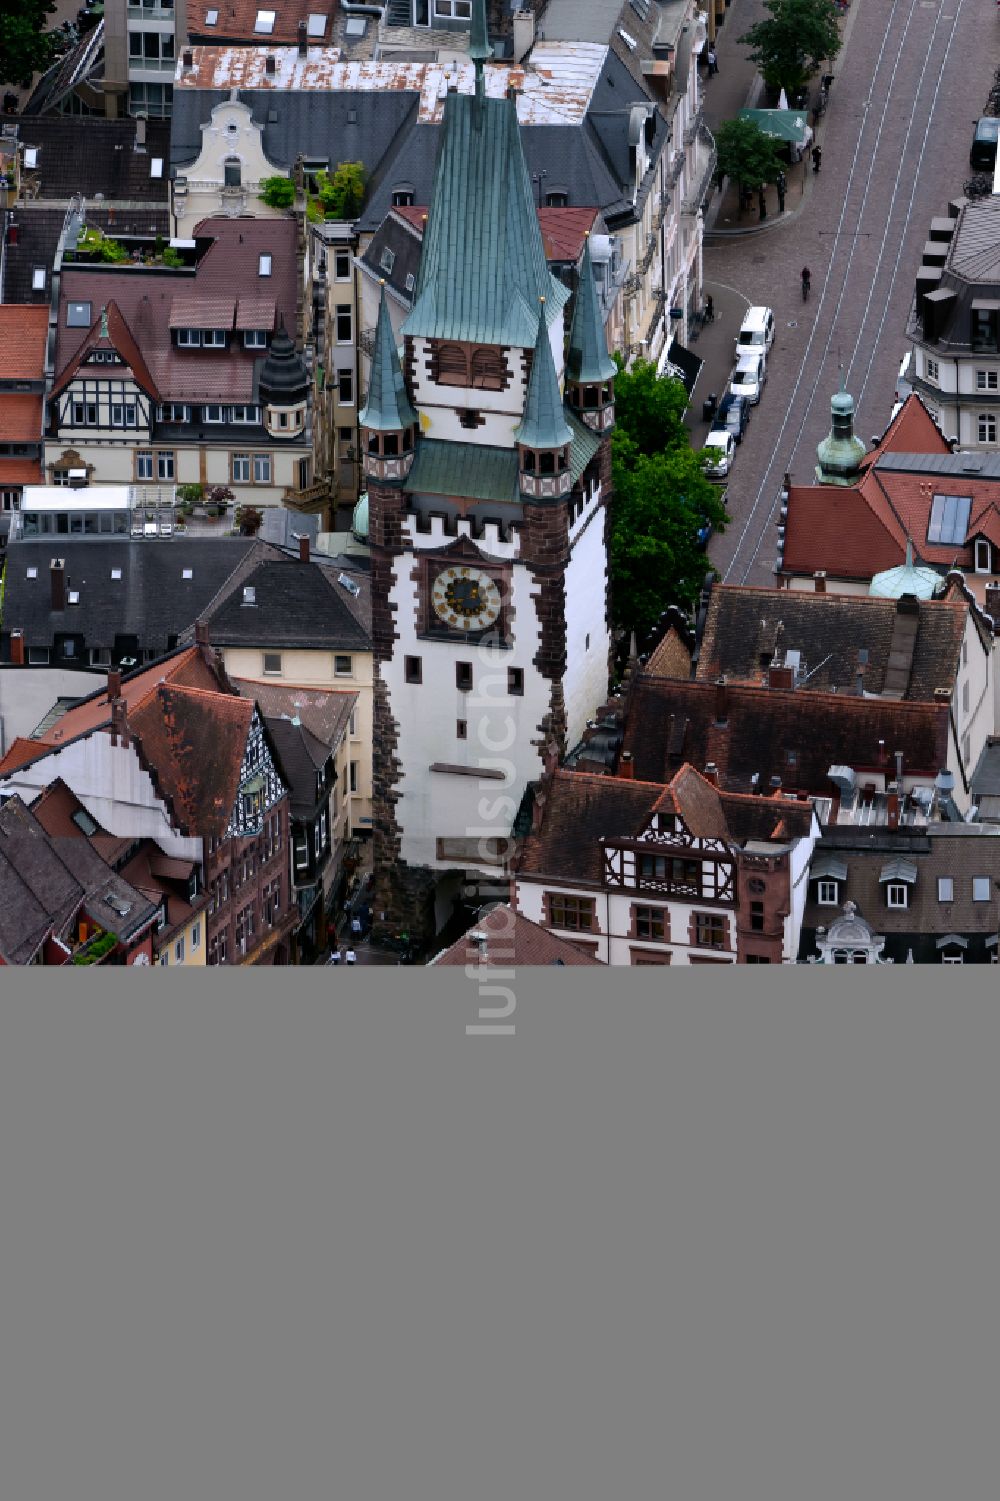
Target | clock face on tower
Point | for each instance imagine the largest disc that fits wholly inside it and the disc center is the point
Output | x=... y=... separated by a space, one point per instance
x=466 y=599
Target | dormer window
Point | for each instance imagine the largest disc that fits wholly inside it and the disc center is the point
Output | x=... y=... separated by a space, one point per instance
x=213 y=338
x=897 y=894
x=827 y=894
x=189 y=338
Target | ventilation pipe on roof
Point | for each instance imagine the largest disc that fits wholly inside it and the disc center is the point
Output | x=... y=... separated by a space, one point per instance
x=626 y=766
x=114 y=685
x=303 y=39
x=304 y=549
x=711 y=773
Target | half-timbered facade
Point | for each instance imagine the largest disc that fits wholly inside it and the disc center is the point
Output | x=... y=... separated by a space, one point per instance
x=689 y=875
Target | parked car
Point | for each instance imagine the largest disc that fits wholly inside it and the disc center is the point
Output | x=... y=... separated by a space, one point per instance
x=733 y=414
x=749 y=376
x=983 y=155
x=720 y=445
x=756 y=333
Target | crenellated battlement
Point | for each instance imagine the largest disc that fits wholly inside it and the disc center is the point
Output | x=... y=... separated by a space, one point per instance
x=494 y=538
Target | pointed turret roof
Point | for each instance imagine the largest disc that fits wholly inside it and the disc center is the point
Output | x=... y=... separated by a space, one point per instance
x=483 y=264
x=587 y=360
x=284 y=378
x=544 y=422
x=388 y=407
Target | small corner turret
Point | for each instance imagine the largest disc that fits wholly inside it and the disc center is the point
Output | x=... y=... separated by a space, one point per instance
x=388 y=422
x=590 y=370
x=543 y=435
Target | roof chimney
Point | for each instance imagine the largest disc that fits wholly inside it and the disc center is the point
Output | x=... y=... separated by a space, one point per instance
x=819 y=579
x=626 y=767
x=303 y=41
x=57 y=576
x=304 y=549
x=781 y=677
x=114 y=685
x=883 y=754
x=899 y=769
x=140 y=130
x=892 y=811
x=859 y=684
x=188 y=57
x=992 y=604
x=269 y=64
x=775 y=786
x=119 y=722
x=17 y=648
x=721 y=702
x=711 y=773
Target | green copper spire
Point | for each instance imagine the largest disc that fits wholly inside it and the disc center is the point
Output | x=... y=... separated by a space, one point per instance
x=587 y=360
x=479 y=40
x=388 y=407
x=483 y=267
x=544 y=422
x=840 y=454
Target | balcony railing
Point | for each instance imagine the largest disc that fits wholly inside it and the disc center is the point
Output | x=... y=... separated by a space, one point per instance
x=702 y=171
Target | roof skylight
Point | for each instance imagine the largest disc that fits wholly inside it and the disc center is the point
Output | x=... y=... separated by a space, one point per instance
x=265 y=22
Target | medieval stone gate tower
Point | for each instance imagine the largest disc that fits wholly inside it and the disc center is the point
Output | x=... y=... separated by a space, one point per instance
x=487 y=456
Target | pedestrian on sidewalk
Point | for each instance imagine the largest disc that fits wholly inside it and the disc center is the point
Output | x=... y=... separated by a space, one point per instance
x=351 y=957
x=712 y=58
x=709 y=310
x=762 y=202
x=817 y=157
x=781 y=183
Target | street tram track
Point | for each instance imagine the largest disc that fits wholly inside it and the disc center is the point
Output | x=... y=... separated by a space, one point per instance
x=812 y=375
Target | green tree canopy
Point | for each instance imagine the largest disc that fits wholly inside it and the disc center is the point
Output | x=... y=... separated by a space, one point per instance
x=661 y=501
x=791 y=43
x=26 y=48
x=277 y=192
x=746 y=154
x=342 y=195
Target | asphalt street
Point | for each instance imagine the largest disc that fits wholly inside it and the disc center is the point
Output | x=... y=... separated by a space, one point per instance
x=909 y=83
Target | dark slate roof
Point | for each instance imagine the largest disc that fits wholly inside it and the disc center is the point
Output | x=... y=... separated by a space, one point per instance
x=395 y=233
x=483 y=266
x=46 y=879
x=295 y=605
x=39 y=227
x=958 y=852
x=312 y=122
x=792 y=734
x=829 y=630
x=151 y=601
x=88 y=155
x=301 y=758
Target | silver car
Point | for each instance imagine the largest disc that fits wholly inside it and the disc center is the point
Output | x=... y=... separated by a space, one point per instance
x=749 y=377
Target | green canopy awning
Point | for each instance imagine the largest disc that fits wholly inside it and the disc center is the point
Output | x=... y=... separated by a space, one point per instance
x=783 y=124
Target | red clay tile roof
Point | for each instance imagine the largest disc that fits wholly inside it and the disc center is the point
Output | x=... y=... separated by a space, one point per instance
x=120 y=339
x=18 y=471
x=770 y=732
x=174 y=725
x=511 y=939
x=829 y=630
x=184 y=667
x=236 y=20
x=835 y=528
x=228 y=268
x=581 y=810
x=912 y=430
x=20 y=417
x=23 y=330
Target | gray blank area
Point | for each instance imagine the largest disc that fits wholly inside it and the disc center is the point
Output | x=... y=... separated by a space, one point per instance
x=285 y=1241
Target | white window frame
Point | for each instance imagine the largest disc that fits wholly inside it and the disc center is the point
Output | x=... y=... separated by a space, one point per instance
x=987 y=380
x=271 y=657
x=343 y=310
x=343 y=672
x=263 y=469
x=958 y=958
x=826 y=895
x=946 y=889
x=166 y=464
x=213 y=414
x=213 y=338
x=254 y=338
x=264 y=264
x=979 y=882
x=986 y=427
x=345 y=381
x=932 y=370
x=342 y=258
x=983 y=567
x=897 y=895
x=189 y=338
x=241 y=462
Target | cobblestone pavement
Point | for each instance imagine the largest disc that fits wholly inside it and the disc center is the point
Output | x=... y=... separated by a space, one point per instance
x=911 y=79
